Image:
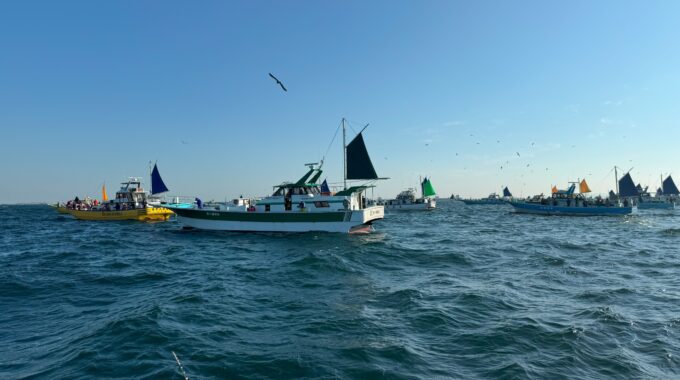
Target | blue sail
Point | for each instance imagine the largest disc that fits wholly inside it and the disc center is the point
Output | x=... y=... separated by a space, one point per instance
x=571 y=189
x=157 y=184
x=506 y=192
x=324 y=187
x=627 y=187
x=669 y=187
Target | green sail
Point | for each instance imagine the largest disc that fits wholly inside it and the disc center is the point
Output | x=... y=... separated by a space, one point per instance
x=428 y=190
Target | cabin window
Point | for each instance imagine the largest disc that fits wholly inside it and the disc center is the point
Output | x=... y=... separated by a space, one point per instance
x=267 y=207
x=319 y=204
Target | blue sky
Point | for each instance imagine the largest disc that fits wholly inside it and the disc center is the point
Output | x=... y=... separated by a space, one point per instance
x=92 y=91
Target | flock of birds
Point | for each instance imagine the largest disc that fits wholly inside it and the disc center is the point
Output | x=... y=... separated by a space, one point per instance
x=507 y=163
x=426 y=144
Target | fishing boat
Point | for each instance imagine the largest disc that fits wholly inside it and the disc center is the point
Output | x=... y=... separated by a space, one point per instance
x=492 y=199
x=567 y=202
x=300 y=206
x=407 y=200
x=130 y=203
x=664 y=199
x=158 y=187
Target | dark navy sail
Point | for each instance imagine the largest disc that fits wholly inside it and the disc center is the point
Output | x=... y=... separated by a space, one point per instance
x=157 y=184
x=627 y=187
x=506 y=192
x=669 y=187
x=324 y=187
x=359 y=165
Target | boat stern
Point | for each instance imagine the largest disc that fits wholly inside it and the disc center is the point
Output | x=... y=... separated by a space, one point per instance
x=373 y=213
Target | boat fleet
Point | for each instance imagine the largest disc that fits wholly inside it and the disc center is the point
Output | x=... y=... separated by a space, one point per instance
x=307 y=205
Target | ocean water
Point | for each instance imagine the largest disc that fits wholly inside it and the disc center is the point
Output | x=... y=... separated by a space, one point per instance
x=460 y=292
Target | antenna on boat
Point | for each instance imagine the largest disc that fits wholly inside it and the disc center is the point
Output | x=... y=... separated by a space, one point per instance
x=344 y=155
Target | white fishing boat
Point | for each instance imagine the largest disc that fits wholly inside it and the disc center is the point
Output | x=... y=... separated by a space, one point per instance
x=664 y=199
x=301 y=206
x=407 y=200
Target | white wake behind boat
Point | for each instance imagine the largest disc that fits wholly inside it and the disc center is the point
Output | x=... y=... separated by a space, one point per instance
x=298 y=207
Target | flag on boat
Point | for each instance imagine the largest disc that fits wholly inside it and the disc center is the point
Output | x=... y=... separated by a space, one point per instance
x=506 y=192
x=359 y=165
x=669 y=187
x=583 y=187
x=428 y=190
x=157 y=184
x=554 y=189
x=325 y=190
x=105 y=197
x=627 y=187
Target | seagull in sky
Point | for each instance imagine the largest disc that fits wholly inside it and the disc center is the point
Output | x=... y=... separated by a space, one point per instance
x=278 y=82
x=518 y=154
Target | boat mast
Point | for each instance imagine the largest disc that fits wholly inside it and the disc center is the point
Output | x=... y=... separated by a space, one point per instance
x=344 y=155
x=616 y=180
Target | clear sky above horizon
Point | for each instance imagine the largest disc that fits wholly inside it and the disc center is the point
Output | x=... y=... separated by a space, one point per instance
x=90 y=92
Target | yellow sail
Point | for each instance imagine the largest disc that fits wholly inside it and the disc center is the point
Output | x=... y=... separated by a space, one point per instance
x=583 y=187
x=554 y=189
x=104 y=196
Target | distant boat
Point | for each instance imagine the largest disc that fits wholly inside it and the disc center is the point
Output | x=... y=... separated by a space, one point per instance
x=301 y=206
x=567 y=202
x=407 y=200
x=664 y=199
x=130 y=203
x=492 y=199
x=158 y=187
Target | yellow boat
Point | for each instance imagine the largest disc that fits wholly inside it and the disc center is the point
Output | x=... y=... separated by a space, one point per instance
x=130 y=204
x=147 y=214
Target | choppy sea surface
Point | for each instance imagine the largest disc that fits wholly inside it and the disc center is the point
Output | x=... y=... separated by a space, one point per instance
x=461 y=292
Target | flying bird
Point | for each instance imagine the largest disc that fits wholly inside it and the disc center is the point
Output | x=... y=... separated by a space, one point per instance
x=518 y=154
x=278 y=82
x=184 y=142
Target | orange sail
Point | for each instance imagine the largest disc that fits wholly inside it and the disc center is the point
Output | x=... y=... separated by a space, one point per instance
x=554 y=189
x=104 y=196
x=583 y=187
